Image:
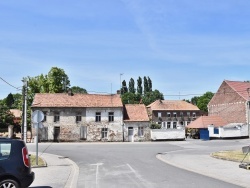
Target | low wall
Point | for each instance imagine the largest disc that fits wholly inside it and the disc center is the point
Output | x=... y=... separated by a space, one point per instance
x=229 y=132
x=168 y=134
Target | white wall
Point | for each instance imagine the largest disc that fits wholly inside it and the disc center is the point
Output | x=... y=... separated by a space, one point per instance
x=166 y=134
x=229 y=132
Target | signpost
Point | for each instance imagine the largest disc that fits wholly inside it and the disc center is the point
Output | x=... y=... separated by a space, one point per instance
x=37 y=117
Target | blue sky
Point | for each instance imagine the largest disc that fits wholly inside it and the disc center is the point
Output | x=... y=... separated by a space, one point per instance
x=185 y=47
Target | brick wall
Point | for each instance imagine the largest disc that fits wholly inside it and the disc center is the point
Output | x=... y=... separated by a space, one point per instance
x=229 y=105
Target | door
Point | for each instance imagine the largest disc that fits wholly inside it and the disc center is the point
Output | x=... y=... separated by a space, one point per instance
x=131 y=134
x=56 y=134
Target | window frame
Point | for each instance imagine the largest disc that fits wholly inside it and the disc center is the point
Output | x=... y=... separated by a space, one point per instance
x=174 y=125
x=104 y=133
x=56 y=117
x=78 y=117
x=111 y=116
x=45 y=116
x=98 y=116
x=140 y=131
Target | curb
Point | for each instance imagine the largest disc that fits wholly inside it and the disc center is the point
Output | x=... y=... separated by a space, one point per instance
x=160 y=157
x=73 y=178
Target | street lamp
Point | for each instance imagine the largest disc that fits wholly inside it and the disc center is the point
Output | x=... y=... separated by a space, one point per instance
x=121 y=83
x=248 y=106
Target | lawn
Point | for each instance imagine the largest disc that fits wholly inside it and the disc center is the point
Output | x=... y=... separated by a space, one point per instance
x=41 y=162
x=235 y=155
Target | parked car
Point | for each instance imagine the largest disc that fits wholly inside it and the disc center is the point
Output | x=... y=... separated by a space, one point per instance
x=15 y=169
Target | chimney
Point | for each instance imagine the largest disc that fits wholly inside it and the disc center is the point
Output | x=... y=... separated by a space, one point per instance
x=70 y=93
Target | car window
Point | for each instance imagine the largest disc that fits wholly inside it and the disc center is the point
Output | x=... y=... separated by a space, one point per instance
x=5 y=149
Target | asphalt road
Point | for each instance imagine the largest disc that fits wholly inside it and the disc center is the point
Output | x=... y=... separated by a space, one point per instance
x=133 y=165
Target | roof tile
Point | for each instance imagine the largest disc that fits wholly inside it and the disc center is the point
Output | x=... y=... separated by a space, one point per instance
x=76 y=100
x=172 y=105
x=135 y=112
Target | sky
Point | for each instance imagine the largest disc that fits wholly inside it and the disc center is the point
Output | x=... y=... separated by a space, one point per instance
x=186 y=47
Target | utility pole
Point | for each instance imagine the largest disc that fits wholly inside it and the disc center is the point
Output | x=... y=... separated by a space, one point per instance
x=248 y=109
x=121 y=84
x=122 y=110
x=24 y=123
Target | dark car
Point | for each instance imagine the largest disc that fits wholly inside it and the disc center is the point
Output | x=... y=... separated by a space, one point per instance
x=15 y=169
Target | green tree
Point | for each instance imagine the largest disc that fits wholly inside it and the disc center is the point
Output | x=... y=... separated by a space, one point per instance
x=124 y=88
x=77 y=89
x=131 y=98
x=58 y=80
x=9 y=101
x=131 y=87
x=194 y=100
x=150 y=97
x=145 y=82
x=203 y=101
x=150 y=85
x=139 y=85
x=6 y=117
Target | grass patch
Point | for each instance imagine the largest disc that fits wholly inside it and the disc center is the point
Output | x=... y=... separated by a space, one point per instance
x=41 y=162
x=236 y=155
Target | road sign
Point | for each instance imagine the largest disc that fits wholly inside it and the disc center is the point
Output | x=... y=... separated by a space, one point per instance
x=39 y=125
x=37 y=116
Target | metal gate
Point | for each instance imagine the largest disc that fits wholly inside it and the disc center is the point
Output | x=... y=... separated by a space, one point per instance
x=204 y=134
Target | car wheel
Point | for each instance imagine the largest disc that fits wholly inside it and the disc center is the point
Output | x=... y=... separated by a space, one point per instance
x=9 y=183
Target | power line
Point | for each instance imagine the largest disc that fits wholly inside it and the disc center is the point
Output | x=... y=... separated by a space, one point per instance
x=9 y=84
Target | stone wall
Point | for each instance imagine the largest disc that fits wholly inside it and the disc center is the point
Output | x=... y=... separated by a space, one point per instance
x=70 y=130
x=146 y=131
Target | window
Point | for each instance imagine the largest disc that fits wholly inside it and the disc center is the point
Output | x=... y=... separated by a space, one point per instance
x=168 y=115
x=163 y=125
x=188 y=114
x=104 y=132
x=111 y=116
x=174 y=114
x=45 y=116
x=174 y=125
x=159 y=114
x=5 y=149
x=140 y=131
x=78 y=117
x=168 y=125
x=181 y=114
x=98 y=116
x=56 y=117
x=194 y=114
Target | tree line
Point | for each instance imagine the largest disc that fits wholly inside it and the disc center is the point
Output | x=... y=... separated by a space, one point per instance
x=142 y=94
x=57 y=81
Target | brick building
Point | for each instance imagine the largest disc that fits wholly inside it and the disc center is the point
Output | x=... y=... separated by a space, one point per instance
x=231 y=102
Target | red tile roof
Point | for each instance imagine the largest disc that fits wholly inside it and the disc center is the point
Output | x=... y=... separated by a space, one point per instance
x=136 y=112
x=76 y=100
x=172 y=105
x=240 y=87
x=205 y=121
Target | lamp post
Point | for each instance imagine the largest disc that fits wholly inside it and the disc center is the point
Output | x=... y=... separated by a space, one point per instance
x=248 y=106
x=122 y=109
x=121 y=83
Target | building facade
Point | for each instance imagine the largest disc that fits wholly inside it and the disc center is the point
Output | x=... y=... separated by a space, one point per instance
x=136 y=123
x=231 y=102
x=173 y=114
x=76 y=117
